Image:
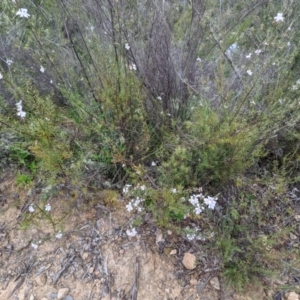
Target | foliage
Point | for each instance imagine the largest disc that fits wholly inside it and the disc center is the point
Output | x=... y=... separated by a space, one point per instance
x=173 y=96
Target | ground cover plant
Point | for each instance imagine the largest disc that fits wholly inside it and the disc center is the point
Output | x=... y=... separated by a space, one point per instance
x=190 y=110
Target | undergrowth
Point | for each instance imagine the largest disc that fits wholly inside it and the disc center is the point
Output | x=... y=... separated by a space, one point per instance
x=178 y=99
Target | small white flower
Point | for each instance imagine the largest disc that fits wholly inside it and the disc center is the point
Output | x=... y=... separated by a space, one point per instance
x=129 y=207
x=279 y=17
x=153 y=164
x=42 y=70
x=191 y=236
x=174 y=191
x=92 y=28
x=199 y=59
x=289 y=29
x=23 y=13
x=294 y=87
x=131 y=232
x=127 y=47
x=31 y=208
x=1 y=76
x=198 y=210
x=126 y=188
x=132 y=67
x=249 y=55
x=249 y=72
x=47 y=207
x=58 y=235
x=210 y=202
x=289 y=44
x=298 y=81
x=34 y=246
x=21 y=114
x=159 y=98
x=9 y=62
x=143 y=187
x=258 y=51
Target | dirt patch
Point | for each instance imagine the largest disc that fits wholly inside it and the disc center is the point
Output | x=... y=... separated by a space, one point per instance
x=94 y=258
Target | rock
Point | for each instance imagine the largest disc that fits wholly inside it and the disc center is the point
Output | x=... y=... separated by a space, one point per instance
x=173 y=252
x=85 y=256
x=41 y=279
x=176 y=292
x=292 y=236
x=189 y=261
x=62 y=293
x=291 y=296
x=215 y=283
x=68 y=298
x=31 y=297
x=193 y=281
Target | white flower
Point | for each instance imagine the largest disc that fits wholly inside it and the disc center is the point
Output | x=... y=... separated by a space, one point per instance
x=47 y=207
x=174 y=191
x=143 y=187
x=210 y=202
x=279 y=17
x=294 y=87
x=126 y=188
x=1 y=76
x=23 y=13
x=159 y=98
x=249 y=72
x=129 y=206
x=9 y=62
x=58 y=235
x=258 y=51
x=127 y=47
x=289 y=44
x=249 y=55
x=51 y=81
x=153 y=164
x=31 y=208
x=131 y=232
x=191 y=236
x=198 y=210
x=42 y=70
x=132 y=67
x=20 y=112
x=92 y=28
x=199 y=59
x=298 y=81
x=34 y=246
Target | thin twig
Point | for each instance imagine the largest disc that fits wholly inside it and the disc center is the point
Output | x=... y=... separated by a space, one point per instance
x=135 y=287
x=64 y=268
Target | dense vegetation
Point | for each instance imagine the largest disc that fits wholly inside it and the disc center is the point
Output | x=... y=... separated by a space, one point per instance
x=191 y=110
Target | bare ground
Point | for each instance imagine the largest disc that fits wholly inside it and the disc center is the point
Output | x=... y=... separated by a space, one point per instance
x=94 y=258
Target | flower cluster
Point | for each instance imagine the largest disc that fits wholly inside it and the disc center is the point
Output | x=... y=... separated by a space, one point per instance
x=193 y=234
x=20 y=112
x=210 y=202
x=135 y=204
x=131 y=232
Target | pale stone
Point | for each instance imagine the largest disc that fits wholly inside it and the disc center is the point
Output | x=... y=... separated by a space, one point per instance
x=31 y=297
x=292 y=296
x=176 y=292
x=85 y=255
x=173 y=252
x=62 y=293
x=292 y=236
x=189 y=261
x=193 y=281
x=41 y=279
x=215 y=283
